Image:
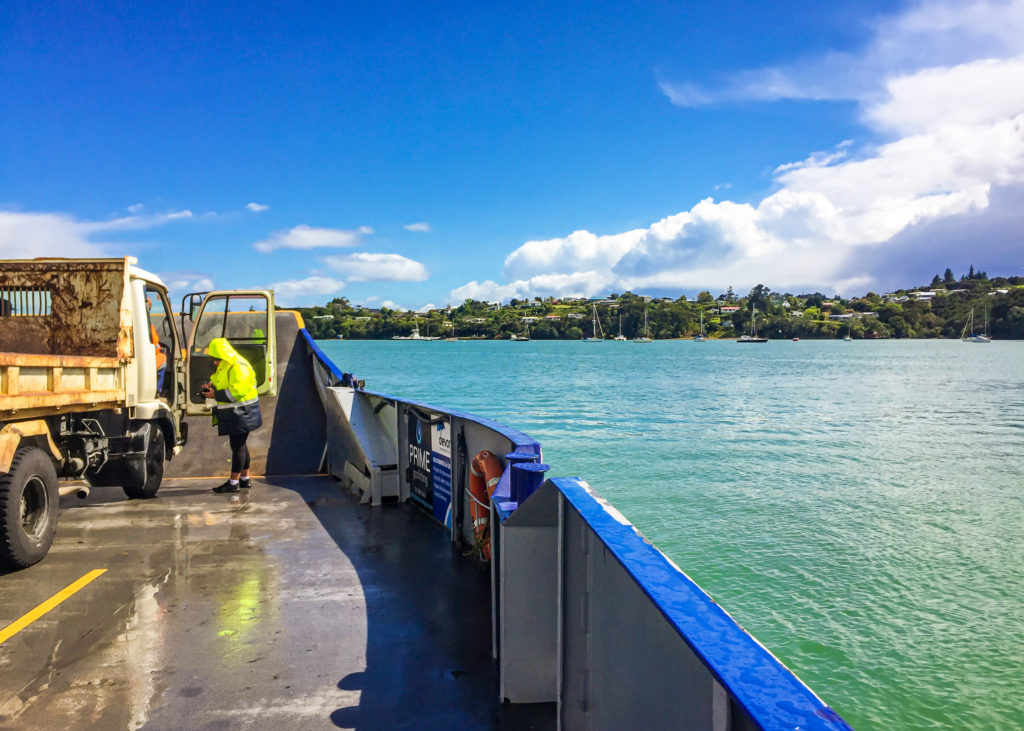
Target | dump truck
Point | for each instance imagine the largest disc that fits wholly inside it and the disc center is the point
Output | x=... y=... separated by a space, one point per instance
x=82 y=404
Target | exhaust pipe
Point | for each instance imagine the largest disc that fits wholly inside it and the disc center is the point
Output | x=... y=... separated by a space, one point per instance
x=79 y=491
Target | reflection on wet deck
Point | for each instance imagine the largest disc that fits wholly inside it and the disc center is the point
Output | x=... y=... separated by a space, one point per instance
x=290 y=607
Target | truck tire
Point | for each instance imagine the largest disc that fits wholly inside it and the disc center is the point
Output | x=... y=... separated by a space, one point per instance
x=143 y=483
x=29 y=502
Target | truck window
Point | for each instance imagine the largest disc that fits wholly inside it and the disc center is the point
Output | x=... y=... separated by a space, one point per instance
x=162 y=325
x=242 y=320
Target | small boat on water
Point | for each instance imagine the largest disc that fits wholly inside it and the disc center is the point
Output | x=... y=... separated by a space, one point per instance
x=701 y=338
x=517 y=338
x=647 y=332
x=975 y=337
x=415 y=335
x=752 y=338
x=620 y=337
x=598 y=336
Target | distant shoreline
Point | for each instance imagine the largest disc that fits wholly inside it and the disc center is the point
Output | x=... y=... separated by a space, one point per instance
x=947 y=309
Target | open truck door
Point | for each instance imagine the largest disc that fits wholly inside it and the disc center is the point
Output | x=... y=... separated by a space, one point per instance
x=246 y=319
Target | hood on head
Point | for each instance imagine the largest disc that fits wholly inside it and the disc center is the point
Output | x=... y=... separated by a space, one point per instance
x=221 y=349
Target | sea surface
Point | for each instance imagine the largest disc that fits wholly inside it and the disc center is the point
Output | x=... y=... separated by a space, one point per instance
x=858 y=507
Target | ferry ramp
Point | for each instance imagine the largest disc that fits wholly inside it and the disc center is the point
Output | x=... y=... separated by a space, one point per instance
x=290 y=605
x=294 y=432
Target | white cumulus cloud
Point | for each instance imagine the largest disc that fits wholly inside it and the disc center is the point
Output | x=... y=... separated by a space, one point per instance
x=929 y=35
x=364 y=267
x=304 y=237
x=182 y=282
x=296 y=290
x=422 y=226
x=257 y=207
x=27 y=234
x=951 y=114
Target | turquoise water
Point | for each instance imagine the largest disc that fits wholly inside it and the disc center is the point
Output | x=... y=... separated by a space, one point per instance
x=858 y=507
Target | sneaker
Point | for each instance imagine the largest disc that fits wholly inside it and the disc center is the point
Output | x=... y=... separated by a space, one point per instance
x=245 y=483
x=226 y=487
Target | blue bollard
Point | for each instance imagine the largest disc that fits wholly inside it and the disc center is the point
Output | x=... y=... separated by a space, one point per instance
x=518 y=457
x=526 y=478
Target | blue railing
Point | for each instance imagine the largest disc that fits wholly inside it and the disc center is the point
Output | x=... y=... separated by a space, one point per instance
x=562 y=615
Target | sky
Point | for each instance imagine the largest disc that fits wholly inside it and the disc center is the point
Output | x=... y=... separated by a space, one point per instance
x=413 y=155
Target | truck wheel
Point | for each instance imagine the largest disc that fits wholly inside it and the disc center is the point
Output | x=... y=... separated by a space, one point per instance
x=28 y=508
x=144 y=483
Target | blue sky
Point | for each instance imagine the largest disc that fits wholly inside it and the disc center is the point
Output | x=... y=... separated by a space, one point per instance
x=420 y=153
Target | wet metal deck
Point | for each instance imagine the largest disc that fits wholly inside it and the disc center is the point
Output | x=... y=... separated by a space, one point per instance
x=292 y=607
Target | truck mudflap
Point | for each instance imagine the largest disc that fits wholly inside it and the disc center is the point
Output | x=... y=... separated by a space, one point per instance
x=12 y=434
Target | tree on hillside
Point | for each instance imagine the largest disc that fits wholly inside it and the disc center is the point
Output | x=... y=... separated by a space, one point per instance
x=936 y=281
x=947 y=277
x=758 y=297
x=705 y=298
x=812 y=300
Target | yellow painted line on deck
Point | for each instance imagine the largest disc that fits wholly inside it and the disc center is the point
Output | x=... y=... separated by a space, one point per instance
x=26 y=619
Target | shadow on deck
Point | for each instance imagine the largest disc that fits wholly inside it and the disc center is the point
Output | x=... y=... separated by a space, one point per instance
x=428 y=638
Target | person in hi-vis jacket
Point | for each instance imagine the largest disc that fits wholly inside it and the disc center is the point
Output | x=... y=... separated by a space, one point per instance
x=233 y=386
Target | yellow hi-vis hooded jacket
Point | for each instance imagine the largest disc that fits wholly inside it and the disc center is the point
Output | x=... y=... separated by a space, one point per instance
x=238 y=408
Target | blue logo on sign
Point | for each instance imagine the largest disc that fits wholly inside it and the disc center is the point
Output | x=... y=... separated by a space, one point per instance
x=419 y=433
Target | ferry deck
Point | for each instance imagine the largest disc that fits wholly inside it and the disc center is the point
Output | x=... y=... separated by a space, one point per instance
x=297 y=605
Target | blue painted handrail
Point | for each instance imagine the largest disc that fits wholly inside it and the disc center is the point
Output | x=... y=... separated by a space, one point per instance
x=767 y=689
x=770 y=693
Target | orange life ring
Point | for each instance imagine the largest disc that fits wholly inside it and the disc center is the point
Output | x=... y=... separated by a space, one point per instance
x=484 y=473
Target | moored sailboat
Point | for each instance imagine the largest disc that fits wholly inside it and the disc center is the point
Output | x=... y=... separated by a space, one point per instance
x=598 y=336
x=975 y=337
x=752 y=338
x=646 y=338
x=620 y=337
